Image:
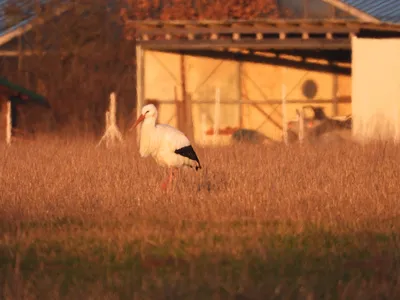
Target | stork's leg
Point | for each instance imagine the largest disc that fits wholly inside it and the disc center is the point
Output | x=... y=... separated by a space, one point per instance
x=165 y=184
x=175 y=173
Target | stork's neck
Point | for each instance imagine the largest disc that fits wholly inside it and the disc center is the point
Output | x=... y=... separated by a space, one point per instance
x=148 y=126
x=147 y=137
x=149 y=123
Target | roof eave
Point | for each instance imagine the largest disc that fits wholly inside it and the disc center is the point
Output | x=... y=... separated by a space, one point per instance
x=27 y=25
x=15 y=31
x=17 y=90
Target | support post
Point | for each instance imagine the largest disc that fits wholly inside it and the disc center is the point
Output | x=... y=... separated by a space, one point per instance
x=139 y=83
x=335 y=109
x=189 y=117
x=20 y=53
x=284 y=110
x=185 y=113
x=203 y=127
x=300 y=118
x=217 y=110
x=178 y=108
x=240 y=66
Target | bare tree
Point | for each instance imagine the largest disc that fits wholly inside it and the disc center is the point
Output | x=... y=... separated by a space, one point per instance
x=199 y=9
x=80 y=57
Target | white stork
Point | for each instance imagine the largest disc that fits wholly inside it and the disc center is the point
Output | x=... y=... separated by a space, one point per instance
x=166 y=144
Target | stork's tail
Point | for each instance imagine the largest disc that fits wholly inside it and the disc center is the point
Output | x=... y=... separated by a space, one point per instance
x=193 y=163
x=190 y=156
x=198 y=166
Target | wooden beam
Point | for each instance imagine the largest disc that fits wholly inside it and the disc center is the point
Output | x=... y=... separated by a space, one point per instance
x=342 y=100
x=292 y=43
x=279 y=61
x=263 y=23
x=140 y=84
x=185 y=114
x=329 y=55
x=244 y=30
x=168 y=26
x=16 y=53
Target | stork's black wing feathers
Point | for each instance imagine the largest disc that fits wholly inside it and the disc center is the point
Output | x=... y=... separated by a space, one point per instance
x=188 y=152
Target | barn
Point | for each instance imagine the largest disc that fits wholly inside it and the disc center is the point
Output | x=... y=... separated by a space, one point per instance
x=209 y=78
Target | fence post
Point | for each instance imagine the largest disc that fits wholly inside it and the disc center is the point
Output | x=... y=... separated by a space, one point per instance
x=112 y=132
x=8 y=123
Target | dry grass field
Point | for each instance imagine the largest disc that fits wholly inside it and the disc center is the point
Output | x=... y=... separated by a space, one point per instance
x=311 y=222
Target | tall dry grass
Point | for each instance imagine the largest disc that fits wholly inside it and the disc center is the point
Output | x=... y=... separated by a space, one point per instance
x=308 y=222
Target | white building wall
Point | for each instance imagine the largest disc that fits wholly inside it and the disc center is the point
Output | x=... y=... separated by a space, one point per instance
x=376 y=89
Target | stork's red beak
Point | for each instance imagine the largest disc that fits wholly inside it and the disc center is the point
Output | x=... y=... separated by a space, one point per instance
x=138 y=121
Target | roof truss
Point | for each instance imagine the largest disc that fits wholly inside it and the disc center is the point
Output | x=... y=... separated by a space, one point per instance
x=257 y=34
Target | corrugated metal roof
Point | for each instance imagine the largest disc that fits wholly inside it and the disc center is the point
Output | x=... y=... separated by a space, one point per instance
x=16 y=13
x=312 y=9
x=384 y=10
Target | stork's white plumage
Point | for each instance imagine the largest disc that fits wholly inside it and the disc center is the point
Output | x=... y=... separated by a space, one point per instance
x=166 y=144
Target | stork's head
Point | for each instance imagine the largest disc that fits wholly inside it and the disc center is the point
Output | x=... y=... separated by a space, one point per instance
x=149 y=111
